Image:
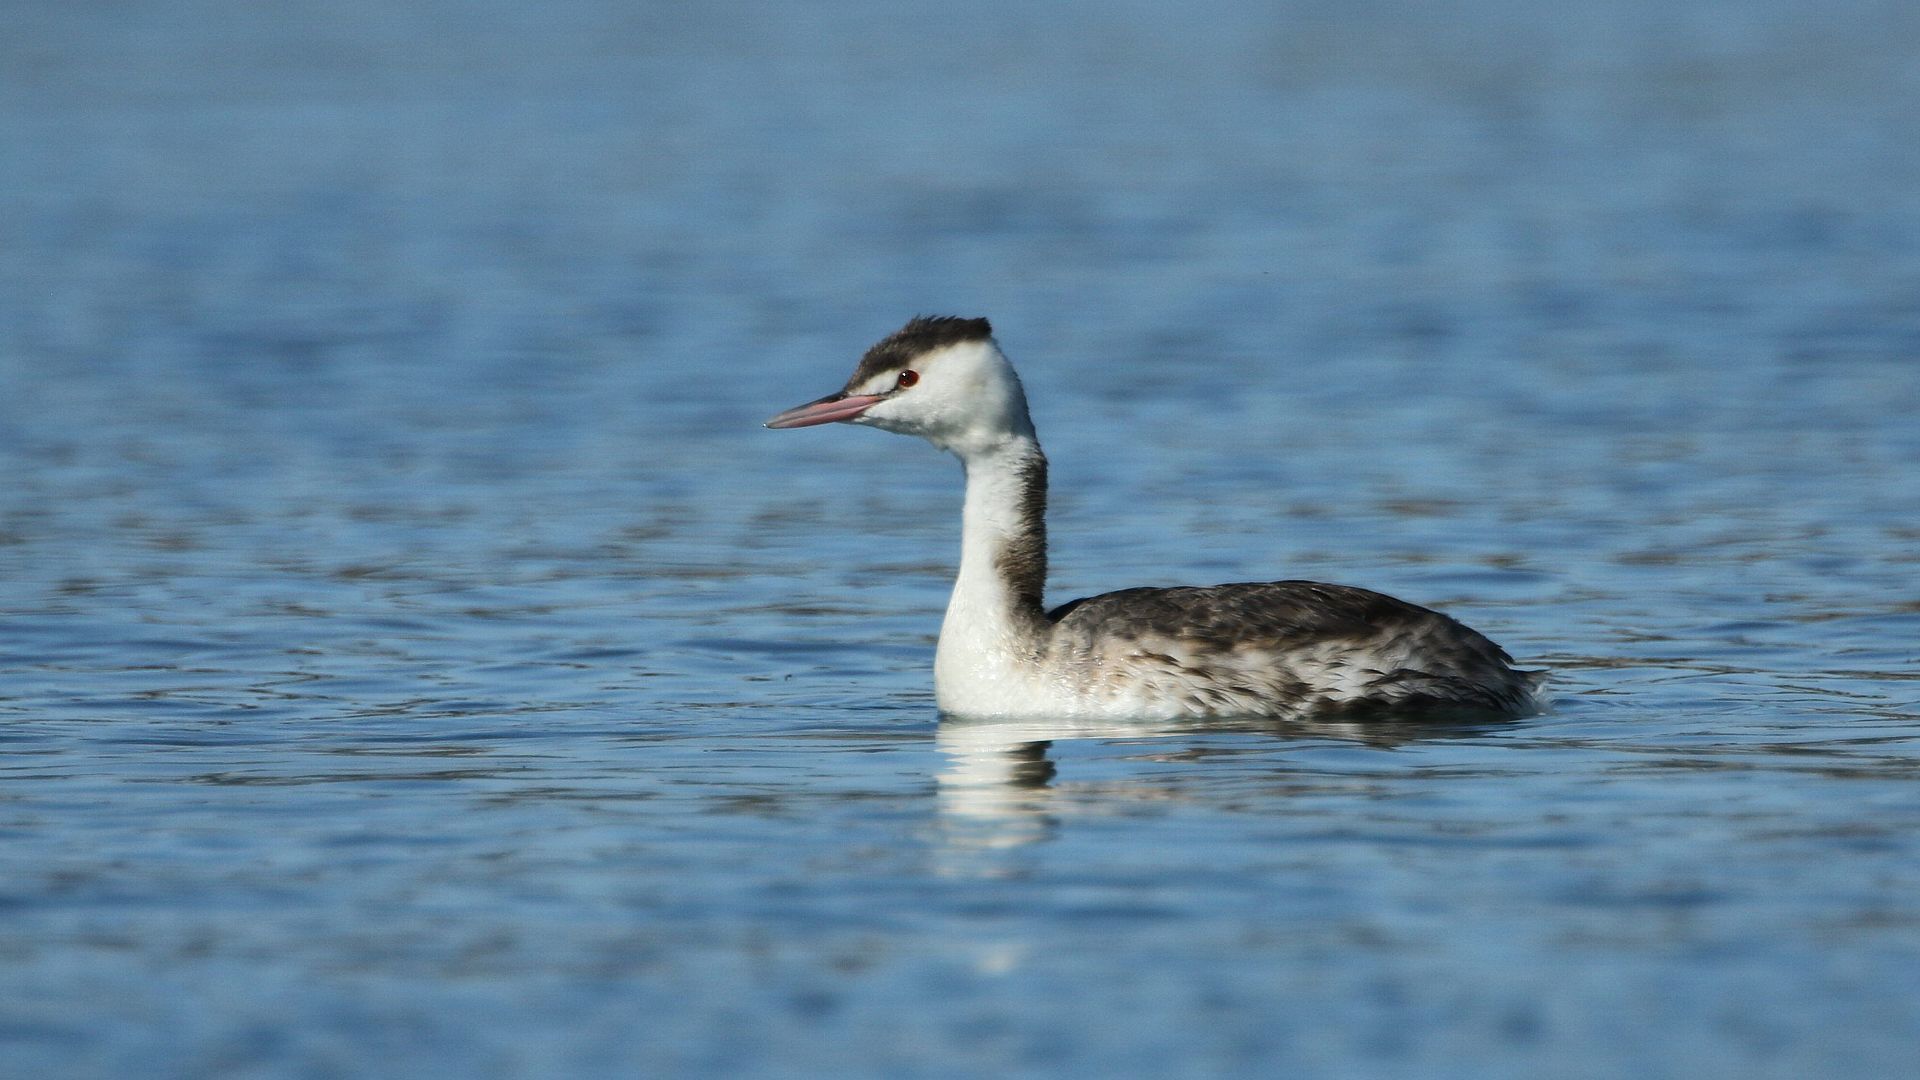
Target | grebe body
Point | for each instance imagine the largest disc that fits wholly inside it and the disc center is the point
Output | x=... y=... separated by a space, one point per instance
x=1277 y=648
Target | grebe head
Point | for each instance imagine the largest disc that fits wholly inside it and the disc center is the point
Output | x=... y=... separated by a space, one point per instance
x=942 y=379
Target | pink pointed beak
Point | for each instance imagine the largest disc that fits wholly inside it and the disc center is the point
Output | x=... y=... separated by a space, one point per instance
x=827 y=410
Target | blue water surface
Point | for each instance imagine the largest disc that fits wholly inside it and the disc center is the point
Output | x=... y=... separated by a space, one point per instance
x=416 y=660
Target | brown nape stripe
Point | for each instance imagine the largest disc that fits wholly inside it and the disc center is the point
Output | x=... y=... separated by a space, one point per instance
x=1022 y=562
x=922 y=334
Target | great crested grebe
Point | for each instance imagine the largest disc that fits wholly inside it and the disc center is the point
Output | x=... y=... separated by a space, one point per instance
x=1274 y=648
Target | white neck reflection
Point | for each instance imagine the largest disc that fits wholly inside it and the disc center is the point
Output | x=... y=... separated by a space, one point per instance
x=999 y=788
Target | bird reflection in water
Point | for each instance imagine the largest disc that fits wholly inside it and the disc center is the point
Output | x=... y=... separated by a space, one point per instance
x=997 y=791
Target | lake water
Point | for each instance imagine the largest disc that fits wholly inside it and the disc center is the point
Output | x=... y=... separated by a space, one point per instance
x=415 y=659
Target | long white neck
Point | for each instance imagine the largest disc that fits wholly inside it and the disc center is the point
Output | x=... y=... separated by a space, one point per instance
x=995 y=627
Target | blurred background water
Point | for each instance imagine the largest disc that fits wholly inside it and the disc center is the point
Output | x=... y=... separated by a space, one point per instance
x=415 y=659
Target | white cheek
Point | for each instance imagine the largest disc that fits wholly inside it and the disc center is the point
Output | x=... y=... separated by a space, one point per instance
x=895 y=413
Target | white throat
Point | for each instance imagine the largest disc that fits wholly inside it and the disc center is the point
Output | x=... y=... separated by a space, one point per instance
x=995 y=632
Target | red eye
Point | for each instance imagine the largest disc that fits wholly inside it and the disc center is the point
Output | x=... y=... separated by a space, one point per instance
x=908 y=378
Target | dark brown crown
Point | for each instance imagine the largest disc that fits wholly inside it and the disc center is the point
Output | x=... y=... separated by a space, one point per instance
x=920 y=336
